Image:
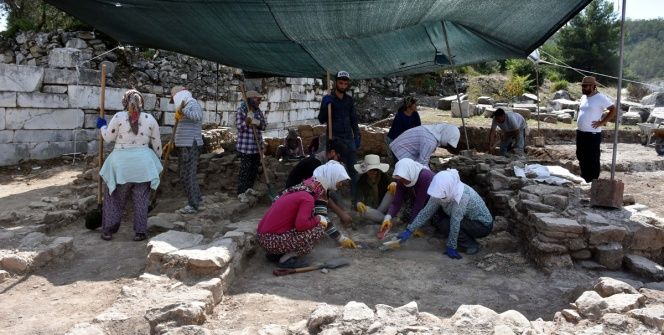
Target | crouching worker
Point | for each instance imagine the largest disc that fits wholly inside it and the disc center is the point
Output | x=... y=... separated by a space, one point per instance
x=463 y=213
x=292 y=225
x=292 y=147
x=375 y=190
x=514 y=129
x=133 y=168
x=419 y=143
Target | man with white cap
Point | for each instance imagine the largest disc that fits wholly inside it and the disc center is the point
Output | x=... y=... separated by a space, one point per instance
x=589 y=127
x=344 y=122
x=464 y=214
x=249 y=120
x=419 y=143
x=189 y=141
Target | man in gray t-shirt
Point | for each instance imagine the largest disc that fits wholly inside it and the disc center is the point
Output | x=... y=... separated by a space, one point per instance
x=513 y=126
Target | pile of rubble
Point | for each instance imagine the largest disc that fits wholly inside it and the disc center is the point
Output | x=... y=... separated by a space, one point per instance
x=556 y=224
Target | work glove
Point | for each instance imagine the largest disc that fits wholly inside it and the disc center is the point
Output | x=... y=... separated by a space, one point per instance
x=101 y=122
x=323 y=221
x=347 y=243
x=361 y=208
x=452 y=253
x=358 y=142
x=392 y=187
x=385 y=226
x=419 y=233
x=405 y=235
x=326 y=100
x=178 y=114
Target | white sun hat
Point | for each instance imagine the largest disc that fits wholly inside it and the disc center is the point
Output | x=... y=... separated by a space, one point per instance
x=371 y=162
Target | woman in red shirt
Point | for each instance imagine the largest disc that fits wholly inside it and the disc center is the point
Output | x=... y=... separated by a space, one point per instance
x=290 y=228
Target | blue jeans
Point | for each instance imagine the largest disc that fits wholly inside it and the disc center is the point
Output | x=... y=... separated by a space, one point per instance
x=517 y=143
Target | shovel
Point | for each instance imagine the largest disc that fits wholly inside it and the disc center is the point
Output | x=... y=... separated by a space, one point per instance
x=331 y=264
x=94 y=217
x=167 y=155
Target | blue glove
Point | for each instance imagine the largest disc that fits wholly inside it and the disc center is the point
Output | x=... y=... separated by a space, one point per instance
x=452 y=253
x=358 y=142
x=101 y=122
x=326 y=100
x=404 y=235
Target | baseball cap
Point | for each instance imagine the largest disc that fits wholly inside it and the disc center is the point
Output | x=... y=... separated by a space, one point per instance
x=343 y=75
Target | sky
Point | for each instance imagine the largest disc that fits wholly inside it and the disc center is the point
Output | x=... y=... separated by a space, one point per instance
x=636 y=9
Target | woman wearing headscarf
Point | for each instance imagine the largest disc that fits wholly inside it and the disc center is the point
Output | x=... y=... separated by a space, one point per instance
x=413 y=180
x=133 y=168
x=406 y=118
x=297 y=220
x=375 y=189
x=419 y=143
x=464 y=212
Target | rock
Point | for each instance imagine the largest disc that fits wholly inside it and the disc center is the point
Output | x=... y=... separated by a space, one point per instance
x=485 y=100
x=179 y=314
x=607 y=287
x=298 y=328
x=465 y=108
x=606 y=234
x=617 y=322
x=76 y=43
x=564 y=118
x=357 y=311
x=651 y=316
x=525 y=112
x=87 y=204
x=549 y=222
x=215 y=255
x=571 y=315
x=502 y=330
x=590 y=305
x=498 y=181
x=15 y=263
x=547 y=247
x=514 y=320
x=473 y=318
x=188 y=330
x=85 y=329
x=610 y=255
x=171 y=241
x=630 y=118
x=645 y=267
x=20 y=78
x=584 y=254
x=553 y=261
x=324 y=314
x=623 y=302
x=4 y=275
x=273 y=329
x=561 y=94
x=111 y=315
x=555 y=200
x=65 y=58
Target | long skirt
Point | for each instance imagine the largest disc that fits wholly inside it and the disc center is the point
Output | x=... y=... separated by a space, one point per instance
x=299 y=242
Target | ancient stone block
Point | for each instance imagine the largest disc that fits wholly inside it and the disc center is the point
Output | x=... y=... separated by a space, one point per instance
x=72 y=77
x=532 y=206
x=6 y=136
x=553 y=261
x=34 y=118
x=184 y=313
x=590 y=305
x=549 y=222
x=65 y=57
x=606 y=234
x=20 y=78
x=610 y=255
x=607 y=287
x=652 y=316
x=12 y=153
x=42 y=100
x=47 y=150
x=57 y=89
x=607 y=193
x=645 y=233
x=547 y=247
x=644 y=266
x=87 y=97
x=555 y=200
x=7 y=99
x=582 y=254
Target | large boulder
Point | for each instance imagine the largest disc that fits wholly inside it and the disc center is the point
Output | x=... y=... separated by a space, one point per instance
x=562 y=94
x=607 y=287
x=630 y=118
x=654 y=99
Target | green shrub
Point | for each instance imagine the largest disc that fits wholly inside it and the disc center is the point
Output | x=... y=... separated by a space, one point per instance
x=516 y=86
x=560 y=85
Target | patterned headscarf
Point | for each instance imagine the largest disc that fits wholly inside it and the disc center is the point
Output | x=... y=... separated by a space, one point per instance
x=133 y=98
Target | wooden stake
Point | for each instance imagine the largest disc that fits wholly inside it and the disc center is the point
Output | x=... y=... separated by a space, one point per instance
x=102 y=99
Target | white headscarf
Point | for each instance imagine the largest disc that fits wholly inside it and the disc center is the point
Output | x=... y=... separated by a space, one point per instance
x=444 y=133
x=446 y=185
x=182 y=96
x=408 y=169
x=329 y=174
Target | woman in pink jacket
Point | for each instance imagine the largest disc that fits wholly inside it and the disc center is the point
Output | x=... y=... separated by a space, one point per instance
x=291 y=227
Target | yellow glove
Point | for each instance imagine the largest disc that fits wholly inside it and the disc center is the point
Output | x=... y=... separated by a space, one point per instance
x=347 y=243
x=419 y=233
x=387 y=224
x=392 y=187
x=361 y=207
x=178 y=114
x=323 y=221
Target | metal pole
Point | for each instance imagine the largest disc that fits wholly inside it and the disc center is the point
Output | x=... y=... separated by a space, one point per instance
x=216 y=97
x=539 y=132
x=620 y=75
x=456 y=87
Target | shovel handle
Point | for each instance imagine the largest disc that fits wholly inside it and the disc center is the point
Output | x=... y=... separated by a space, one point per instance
x=283 y=272
x=102 y=98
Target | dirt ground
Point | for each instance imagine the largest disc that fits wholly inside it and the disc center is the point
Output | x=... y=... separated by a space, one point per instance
x=76 y=289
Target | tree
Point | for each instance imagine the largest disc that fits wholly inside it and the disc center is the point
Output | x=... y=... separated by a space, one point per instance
x=37 y=15
x=590 y=40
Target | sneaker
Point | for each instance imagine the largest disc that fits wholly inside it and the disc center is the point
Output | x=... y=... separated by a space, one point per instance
x=251 y=191
x=187 y=210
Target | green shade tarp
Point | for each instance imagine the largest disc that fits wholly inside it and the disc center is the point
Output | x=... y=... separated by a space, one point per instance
x=306 y=38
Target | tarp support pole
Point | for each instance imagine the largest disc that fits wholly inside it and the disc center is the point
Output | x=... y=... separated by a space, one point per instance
x=620 y=75
x=456 y=87
x=539 y=131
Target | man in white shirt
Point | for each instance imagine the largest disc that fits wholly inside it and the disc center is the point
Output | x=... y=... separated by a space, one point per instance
x=513 y=126
x=588 y=127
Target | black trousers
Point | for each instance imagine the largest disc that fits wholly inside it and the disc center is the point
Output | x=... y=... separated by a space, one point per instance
x=588 y=152
x=248 y=171
x=468 y=232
